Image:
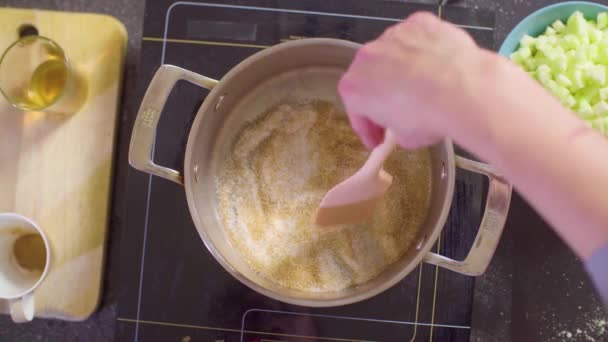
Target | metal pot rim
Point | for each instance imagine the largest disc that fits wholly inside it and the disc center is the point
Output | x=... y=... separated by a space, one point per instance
x=142 y=142
x=207 y=107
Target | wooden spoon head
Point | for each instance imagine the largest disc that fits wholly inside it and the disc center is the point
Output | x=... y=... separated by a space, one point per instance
x=353 y=200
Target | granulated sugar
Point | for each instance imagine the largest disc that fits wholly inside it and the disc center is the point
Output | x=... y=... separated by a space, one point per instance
x=590 y=325
x=271 y=184
x=594 y=330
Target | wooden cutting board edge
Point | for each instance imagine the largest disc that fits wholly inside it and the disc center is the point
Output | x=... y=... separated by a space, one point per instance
x=56 y=312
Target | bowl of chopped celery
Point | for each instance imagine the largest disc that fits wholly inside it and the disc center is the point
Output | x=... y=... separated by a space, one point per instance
x=565 y=48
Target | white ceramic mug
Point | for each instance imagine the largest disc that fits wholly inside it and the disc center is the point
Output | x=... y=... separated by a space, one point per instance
x=17 y=283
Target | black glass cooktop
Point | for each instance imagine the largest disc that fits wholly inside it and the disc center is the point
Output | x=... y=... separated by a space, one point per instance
x=173 y=289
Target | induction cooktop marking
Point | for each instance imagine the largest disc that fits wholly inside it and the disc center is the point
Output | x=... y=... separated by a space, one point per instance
x=203 y=42
x=417 y=302
x=315 y=338
x=439 y=14
x=280 y=10
x=344 y=318
x=143 y=249
x=177 y=325
x=202 y=327
x=435 y=293
x=415 y=323
x=360 y=319
x=475 y=27
x=284 y=10
x=164 y=40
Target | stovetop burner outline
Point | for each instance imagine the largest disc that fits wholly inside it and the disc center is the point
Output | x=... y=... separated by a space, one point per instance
x=165 y=39
x=416 y=323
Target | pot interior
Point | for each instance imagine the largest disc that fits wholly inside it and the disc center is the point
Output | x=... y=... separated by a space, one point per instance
x=289 y=73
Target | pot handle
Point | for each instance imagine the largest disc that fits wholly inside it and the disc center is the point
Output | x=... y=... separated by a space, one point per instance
x=492 y=223
x=144 y=130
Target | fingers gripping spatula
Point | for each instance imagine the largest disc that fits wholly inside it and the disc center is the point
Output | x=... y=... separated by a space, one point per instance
x=354 y=199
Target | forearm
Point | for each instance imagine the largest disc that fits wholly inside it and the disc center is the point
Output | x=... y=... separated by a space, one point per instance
x=564 y=175
x=553 y=160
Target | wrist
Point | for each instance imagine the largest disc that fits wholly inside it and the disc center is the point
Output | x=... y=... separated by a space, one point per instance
x=509 y=111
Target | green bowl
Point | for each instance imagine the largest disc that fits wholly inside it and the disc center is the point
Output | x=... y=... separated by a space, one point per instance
x=537 y=22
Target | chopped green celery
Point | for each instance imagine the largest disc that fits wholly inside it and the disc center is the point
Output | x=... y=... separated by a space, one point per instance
x=516 y=57
x=591 y=93
x=585 y=65
x=601 y=124
x=603 y=52
x=580 y=56
x=564 y=81
x=603 y=93
x=578 y=81
x=569 y=101
x=530 y=64
x=597 y=74
x=595 y=35
x=550 y=84
x=547 y=51
x=560 y=92
x=577 y=25
x=542 y=40
x=544 y=69
x=544 y=74
x=601 y=108
x=604 y=127
x=571 y=41
x=602 y=20
x=547 y=81
x=524 y=52
x=584 y=109
x=592 y=52
x=560 y=64
x=559 y=26
x=528 y=41
x=571 y=61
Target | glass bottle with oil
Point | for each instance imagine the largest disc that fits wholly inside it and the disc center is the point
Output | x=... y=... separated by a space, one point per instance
x=35 y=76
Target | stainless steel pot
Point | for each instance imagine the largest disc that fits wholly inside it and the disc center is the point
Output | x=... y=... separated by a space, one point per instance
x=303 y=69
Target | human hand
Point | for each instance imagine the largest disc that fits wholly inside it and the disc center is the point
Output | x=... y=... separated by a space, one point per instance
x=418 y=78
x=425 y=80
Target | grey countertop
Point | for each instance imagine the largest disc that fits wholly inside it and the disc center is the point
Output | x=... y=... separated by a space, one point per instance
x=100 y=327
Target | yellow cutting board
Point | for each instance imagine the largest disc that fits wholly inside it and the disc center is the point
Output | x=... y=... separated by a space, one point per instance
x=57 y=169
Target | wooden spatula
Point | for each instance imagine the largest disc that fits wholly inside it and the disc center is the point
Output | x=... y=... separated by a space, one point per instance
x=354 y=199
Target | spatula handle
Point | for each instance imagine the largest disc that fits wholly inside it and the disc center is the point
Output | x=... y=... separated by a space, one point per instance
x=379 y=154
